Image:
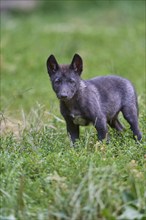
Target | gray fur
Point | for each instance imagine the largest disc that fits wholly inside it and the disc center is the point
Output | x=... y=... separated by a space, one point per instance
x=98 y=100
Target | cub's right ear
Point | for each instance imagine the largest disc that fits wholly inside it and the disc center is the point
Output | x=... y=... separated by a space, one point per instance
x=52 y=65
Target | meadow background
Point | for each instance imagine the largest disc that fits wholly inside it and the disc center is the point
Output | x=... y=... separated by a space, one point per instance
x=41 y=176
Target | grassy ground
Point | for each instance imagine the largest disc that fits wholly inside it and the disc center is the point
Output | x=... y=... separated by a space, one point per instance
x=41 y=176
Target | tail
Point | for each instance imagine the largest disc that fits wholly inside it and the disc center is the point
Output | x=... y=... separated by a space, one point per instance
x=136 y=100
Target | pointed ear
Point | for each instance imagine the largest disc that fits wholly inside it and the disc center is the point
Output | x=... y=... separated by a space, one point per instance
x=52 y=65
x=77 y=64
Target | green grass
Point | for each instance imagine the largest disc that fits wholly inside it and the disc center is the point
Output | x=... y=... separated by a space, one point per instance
x=41 y=176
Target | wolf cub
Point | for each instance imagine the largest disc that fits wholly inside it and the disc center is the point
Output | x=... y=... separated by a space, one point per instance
x=98 y=100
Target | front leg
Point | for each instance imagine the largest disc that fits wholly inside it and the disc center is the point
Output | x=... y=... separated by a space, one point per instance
x=72 y=129
x=101 y=127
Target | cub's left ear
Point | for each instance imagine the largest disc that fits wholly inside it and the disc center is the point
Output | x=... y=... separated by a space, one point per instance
x=77 y=64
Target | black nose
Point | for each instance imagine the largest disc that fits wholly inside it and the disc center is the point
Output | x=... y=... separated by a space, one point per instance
x=63 y=96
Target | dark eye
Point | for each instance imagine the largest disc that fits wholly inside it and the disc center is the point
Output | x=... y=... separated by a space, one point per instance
x=57 y=81
x=72 y=81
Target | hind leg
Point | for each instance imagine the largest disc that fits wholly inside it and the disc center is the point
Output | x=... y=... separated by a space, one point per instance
x=118 y=126
x=130 y=114
x=115 y=123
